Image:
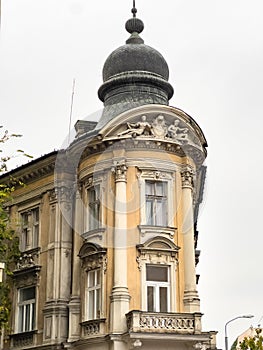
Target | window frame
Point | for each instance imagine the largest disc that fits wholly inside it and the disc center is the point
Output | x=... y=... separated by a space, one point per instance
x=22 y=328
x=94 y=207
x=155 y=199
x=168 y=177
x=97 y=300
x=30 y=229
x=157 y=285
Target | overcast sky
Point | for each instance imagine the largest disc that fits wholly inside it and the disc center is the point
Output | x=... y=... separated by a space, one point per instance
x=215 y=52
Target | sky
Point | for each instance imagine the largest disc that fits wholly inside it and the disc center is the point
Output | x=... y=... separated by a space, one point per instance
x=214 y=50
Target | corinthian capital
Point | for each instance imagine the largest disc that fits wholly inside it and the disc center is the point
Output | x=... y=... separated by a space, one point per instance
x=187 y=176
x=120 y=171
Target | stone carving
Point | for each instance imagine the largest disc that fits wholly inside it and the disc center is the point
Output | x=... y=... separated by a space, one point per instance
x=140 y=128
x=27 y=260
x=176 y=132
x=187 y=176
x=159 y=127
x=120 y=170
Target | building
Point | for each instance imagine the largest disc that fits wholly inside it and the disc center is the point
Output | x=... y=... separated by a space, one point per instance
x=107 y=227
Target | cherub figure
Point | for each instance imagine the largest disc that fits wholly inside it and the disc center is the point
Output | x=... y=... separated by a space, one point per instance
x=140 y=128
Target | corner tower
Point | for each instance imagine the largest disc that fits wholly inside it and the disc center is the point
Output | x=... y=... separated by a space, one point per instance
x=141 y=179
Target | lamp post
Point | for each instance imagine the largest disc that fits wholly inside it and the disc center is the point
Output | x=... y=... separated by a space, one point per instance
x=233 y=319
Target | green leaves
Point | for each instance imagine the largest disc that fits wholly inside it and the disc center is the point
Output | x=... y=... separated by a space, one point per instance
x=252 y=343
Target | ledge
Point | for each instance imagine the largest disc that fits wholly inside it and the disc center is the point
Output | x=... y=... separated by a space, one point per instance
x=152 y=231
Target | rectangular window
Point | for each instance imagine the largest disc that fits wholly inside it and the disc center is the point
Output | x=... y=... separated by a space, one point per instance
x=156 y=203
x=94 y=207
x=30 y=229
x=94 y=294
x=158 y=288
x=26 y=309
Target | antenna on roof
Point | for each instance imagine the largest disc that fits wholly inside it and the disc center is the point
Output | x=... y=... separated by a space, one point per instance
x=71 y=109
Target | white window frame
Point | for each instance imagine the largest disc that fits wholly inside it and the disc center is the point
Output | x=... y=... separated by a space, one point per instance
x=155 y=199
x=159 y=251
x=31 y=303
x=94 y=207
x=30 y=229
x=156 y=289
x=164 y=176
x=96 y=312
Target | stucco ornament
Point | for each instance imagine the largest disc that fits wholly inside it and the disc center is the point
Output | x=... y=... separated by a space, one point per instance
x=159 y=127
x=136 y=129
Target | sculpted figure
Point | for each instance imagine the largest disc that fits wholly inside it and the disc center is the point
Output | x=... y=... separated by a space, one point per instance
x=140 y=128
x=175 y=132
x=159 y=128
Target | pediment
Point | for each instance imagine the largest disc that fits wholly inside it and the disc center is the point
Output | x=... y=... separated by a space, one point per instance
x=155 y=122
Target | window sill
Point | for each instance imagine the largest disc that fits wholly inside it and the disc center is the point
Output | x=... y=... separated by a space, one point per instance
x=148 y=232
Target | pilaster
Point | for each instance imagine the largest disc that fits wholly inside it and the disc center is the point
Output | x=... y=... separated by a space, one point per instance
x=120 y=295
x=191 y=298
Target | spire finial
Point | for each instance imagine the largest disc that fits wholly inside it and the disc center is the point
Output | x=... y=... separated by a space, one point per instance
x=134 y=9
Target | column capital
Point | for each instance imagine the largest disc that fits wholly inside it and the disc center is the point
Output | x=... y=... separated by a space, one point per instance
x=120 y=170
x=187 y=176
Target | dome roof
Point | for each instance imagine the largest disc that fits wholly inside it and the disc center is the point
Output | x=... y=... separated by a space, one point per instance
x=135 y=57
x=134 y=74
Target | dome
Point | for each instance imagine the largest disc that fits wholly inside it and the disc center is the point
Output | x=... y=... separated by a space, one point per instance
x=134 y=74
x=135 y=57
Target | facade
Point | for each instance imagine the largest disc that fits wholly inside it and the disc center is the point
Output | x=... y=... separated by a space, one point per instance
x=107 y=227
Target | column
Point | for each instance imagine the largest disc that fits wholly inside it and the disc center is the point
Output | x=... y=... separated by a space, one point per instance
x=74 y=304
x=191 y=298
x=120 y=296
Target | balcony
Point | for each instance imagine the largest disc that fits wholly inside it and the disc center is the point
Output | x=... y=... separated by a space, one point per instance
x=93 y=328
x=159 y=322
x=21 y=340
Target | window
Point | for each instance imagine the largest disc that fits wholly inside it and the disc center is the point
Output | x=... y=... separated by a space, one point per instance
x=94 y=294
x=94 y=207
x=26 y=309
x=30 y=229
x=158 y=288
x=156 y=203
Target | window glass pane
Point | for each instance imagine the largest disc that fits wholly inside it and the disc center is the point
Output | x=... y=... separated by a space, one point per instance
x=161 y=217
x=36 y=215
x=159 y=188
x=27 y=294
x=97 y=303
x=157 y=273
x=91 y=281
x=149 y=188
x=150 y=298
x=20 y=318
x=149 y=212
x=91 y=304
x=97 y=277
x=163 y=299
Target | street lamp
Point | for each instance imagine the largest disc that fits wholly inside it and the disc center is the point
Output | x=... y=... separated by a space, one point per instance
x=233 y=319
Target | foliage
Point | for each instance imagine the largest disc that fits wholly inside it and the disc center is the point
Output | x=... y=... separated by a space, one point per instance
x=9 y=245
x=253 y=343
